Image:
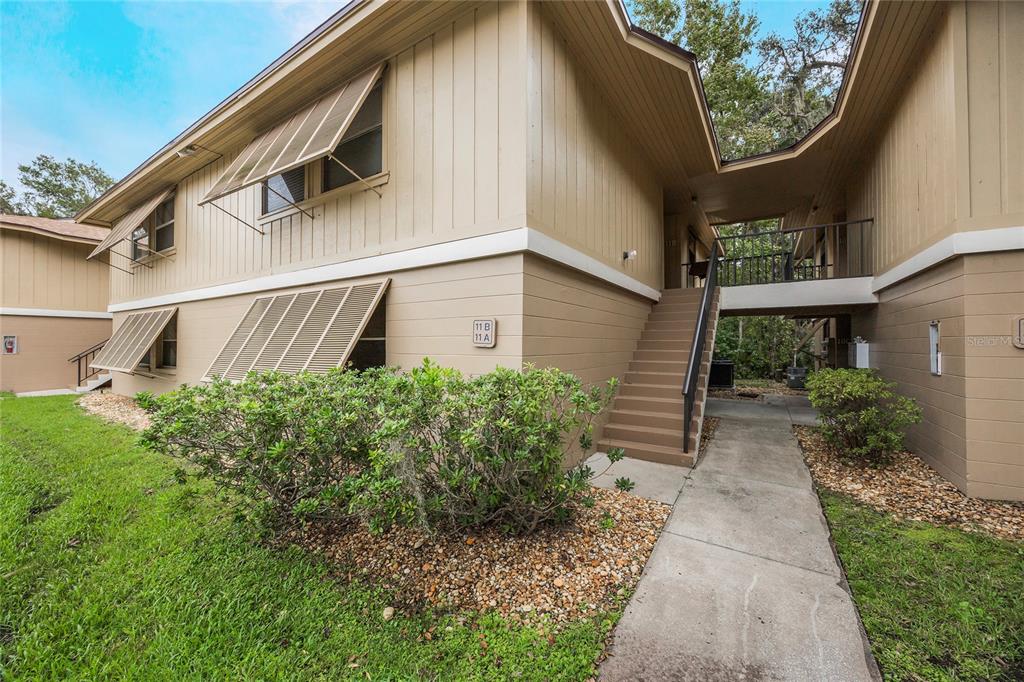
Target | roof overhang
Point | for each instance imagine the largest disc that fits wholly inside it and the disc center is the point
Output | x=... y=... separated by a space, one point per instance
x=361 y=34
x=61 y=230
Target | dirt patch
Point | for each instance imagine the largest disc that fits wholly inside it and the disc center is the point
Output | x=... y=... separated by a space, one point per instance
x=115 y=408
x=563 y=573
x=755 y=393
x=908 y=489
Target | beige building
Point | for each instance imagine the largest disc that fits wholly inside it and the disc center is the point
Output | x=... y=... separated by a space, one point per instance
x=53 y=304
x=500 y=183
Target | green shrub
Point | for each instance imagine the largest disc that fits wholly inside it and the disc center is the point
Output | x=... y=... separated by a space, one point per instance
x=284 y=442
x=454 y=452
x=860 y=413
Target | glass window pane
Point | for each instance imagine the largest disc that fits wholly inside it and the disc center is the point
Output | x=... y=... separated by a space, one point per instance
x=165 y=237
x=164 y=212
x=368 y=354
x=288 y=186
x=361 y=154
x=169 y=356
x=369 y=115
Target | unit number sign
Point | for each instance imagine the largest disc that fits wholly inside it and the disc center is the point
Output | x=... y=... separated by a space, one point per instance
x=485 y=333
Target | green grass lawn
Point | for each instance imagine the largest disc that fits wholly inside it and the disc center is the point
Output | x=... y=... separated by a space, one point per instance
x=937 y=603
x=109 y=568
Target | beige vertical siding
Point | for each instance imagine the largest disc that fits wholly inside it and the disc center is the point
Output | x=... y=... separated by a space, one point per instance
x=454 y=152
x=994 y=368
x=430 y=313
x=589 y=184
x=992 y=64
x=898 y=332
x=44 y=346
x=951 y=155
x=42 y=272
x=908 y=184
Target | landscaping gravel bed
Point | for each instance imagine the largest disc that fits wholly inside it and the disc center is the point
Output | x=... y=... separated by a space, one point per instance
x=908 y=489
x=115 y=408
x=563 y=573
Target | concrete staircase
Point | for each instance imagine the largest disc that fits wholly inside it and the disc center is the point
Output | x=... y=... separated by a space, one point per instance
x=94 y=383
x=647 y=418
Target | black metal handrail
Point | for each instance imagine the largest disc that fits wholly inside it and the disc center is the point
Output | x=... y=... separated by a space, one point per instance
x=815 y=252
x=697 y=348
x=86 y=356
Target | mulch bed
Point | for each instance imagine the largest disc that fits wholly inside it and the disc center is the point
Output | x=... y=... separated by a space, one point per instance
x=908 y=489
x=115 y=408
x=707 y=432
x=560 y=573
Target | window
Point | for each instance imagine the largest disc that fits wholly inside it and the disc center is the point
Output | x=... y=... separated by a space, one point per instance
x=157 y=228
x=169 y=344
x=371 y=349
x=140 y=242
x=362 y=147
x=934 y=354
x=281 y=191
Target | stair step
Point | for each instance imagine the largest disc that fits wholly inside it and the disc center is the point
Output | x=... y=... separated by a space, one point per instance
x=645 y=418
x=642 y=390
x=649 y=453
x=664 y=344
x=655 y=378
x=658 y=367
x=641 y=403
x=644 y=434
x=673 y=355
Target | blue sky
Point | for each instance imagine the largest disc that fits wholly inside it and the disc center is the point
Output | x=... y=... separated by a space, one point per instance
x=112 y=82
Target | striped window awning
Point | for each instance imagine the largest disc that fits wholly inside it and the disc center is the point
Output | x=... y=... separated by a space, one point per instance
x=125 y=226
x=132 y=340
x=311 y=133
x=309 y=330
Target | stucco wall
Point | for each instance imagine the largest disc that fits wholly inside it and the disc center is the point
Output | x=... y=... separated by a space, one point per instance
x=44 y=346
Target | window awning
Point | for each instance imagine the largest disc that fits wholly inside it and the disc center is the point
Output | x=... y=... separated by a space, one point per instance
x=310 y=330
x=132 y=340
x=126 y=225
x=310 y=134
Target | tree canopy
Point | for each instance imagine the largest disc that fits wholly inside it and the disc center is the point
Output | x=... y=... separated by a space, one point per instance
x=763 y=94
x=54 y=188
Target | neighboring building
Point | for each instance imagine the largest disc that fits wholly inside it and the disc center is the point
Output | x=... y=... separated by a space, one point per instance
x=505 y=183
x=53 y=303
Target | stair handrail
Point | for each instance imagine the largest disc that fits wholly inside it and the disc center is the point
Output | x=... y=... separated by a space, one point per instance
x=86 y=355
x=697 y=347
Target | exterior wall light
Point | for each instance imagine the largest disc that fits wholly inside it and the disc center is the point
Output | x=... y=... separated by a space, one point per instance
x=629 y=255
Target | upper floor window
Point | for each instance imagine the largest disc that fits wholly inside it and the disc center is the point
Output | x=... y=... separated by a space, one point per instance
x=156 y=232
x=362 y=147
x=281 y=191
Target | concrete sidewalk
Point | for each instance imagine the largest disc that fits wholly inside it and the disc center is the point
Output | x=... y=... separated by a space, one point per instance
x=743 y=584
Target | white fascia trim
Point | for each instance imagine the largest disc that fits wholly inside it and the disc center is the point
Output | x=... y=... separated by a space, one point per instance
x=47 y=312
x=958 y=244
x=783 y=295
x=500 y=243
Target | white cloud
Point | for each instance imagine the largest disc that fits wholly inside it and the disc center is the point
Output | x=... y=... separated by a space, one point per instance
x=298 y=17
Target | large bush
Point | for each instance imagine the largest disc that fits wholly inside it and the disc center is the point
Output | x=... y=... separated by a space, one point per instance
x=430 y=447
x=282 y=441
x=860 y=413
x=454 y=452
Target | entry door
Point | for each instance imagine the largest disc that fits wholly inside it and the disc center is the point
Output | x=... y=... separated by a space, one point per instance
x=673 y=254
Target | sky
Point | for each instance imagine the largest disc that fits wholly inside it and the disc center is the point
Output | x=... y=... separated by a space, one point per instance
x=112 y=82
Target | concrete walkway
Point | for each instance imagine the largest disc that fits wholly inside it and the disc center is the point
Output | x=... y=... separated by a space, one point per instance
x=743 y=584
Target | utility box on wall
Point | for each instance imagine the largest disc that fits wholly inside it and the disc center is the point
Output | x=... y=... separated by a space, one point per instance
x=859 y=354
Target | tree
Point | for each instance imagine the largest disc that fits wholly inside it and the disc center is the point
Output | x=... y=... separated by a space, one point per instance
x=808 y=68
x=9 y=200
x=58 y=189
x=792 y=83
x=721 y=36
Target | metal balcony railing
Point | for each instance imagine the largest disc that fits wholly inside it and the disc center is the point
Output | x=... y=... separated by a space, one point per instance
x=817 y=252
